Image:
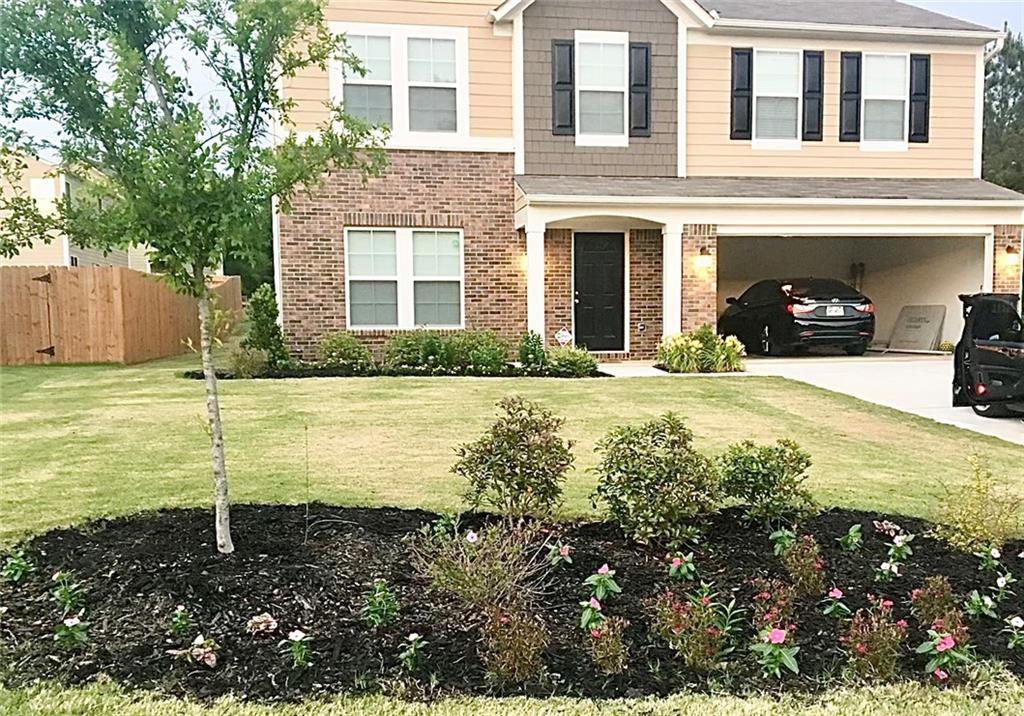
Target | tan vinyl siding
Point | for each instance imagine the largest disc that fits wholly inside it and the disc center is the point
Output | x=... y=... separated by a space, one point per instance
x=710 y=152
x=39 y=253
x=490 y=59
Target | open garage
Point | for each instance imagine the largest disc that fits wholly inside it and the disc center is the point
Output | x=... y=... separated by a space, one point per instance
x=892 y=271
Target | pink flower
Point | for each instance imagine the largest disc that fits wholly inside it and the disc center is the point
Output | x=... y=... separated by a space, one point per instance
x=777 y=636
x=604 y=569
x=940 y=674
x=861 y=649
x=676 y=562
x=886 y=604
x=705 y=601
x=836 y=593
x=472 y=537
x=564 y=550
x=945 y=643
x=902 y=623
x=915 y=594
x=594 y=604
x=596 y=633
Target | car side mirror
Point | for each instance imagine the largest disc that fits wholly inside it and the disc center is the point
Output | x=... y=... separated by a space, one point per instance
x=732 y=300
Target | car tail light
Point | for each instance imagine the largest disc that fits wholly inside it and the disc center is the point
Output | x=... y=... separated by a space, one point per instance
x=866 y=308
x=980 y=389
x=798 y=309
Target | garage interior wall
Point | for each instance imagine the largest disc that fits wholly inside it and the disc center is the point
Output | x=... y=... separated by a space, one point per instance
x=897 y=271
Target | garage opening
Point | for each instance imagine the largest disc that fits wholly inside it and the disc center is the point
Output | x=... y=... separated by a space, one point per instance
x=892 y=271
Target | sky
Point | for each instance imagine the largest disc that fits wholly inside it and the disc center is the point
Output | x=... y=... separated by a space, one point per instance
x=990 y=13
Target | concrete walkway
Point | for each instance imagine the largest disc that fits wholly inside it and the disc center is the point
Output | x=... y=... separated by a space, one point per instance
x=913 y=384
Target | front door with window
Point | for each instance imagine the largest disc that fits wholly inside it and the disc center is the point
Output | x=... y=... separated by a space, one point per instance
x=599 y=291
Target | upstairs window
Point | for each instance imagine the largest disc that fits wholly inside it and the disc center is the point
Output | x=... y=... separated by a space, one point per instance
x=602 y=88
x=886 y=87
x=777 y=91
x=432 y=85
x=369 y=97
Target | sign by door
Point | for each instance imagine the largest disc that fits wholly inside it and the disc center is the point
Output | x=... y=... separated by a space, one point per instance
x=563 y=336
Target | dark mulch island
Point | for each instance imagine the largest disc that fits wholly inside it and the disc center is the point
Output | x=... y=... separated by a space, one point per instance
x=315 y=371
x=137 y=569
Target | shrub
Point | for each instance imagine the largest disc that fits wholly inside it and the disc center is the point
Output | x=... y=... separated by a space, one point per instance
x=417 y=349
x=531 y=351
x=978 y=516
x=478 y=352
x=702 y=351
x=571 y=362
x=607 y=646
x=517 y=466
x=249 y=362
x=805 y=567
x=774 y=602
x=874 y=642
x=767 y=479
x=499 y=566
x=699 y=628
x=513 y=645
x=380 y=605
x=343 y=350
x=935 y=602
x=946 y=655
x=262 y=330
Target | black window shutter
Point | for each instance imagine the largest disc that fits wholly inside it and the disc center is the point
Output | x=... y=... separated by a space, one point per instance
x=742 y=93
x=849 y=97
x=920 y=97
x=563 y=90
x=814 y=89
x=639 y=89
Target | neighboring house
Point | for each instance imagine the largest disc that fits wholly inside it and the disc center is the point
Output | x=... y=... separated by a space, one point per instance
x=614 y=170
x=45 y=184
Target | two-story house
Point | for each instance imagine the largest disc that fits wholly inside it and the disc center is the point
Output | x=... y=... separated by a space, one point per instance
x=613 y=170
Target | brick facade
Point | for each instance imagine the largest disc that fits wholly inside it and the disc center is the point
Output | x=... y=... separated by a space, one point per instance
x=1007 y=276
x=467 y=190
x=700 y=282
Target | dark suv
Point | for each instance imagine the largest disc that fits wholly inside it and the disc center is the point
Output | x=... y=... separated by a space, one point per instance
x=988 y=373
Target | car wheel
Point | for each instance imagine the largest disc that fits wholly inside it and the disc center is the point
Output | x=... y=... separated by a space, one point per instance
x=991 y=411
x=768 y=346
x=857 y=350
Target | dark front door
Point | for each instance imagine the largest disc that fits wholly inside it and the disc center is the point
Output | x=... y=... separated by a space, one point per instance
x=600 y=291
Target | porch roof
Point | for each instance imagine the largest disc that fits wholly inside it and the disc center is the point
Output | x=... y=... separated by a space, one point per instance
x=689 y=189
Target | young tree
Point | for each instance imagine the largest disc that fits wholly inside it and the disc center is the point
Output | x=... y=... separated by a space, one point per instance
x=166 y=111
x=1004 y=115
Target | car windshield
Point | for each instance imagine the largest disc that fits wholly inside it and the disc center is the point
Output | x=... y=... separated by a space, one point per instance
x=818 y=288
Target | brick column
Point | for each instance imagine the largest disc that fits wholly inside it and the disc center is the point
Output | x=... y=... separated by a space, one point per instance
x=1007 y=267
x=700 y=276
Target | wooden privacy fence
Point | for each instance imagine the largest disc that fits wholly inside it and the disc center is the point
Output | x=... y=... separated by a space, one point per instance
x=97 y=314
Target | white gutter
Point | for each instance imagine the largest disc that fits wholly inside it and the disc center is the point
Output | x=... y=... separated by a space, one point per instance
x=1000 y=43
x=819 y=27
x=566 y=200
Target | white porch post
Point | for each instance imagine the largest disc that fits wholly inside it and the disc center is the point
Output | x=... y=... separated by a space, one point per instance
x=535 y=280
x=671 y=279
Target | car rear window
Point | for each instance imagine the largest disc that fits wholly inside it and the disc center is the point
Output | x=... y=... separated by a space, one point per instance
x=819 y=288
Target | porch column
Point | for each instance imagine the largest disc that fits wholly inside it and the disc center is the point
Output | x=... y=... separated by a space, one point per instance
x=671 y=279
x=535 y=281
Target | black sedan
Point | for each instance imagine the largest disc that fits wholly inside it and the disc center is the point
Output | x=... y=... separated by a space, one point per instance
x=778 y=316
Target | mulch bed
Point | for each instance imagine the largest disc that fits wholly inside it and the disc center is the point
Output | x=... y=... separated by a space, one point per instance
x=510 y=371
x=137 y=569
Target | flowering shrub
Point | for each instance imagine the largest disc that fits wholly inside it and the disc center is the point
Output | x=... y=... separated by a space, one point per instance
x=935 y=603
x=514 y=642
x=343 y=350
x=603 y=583
x=887 y=571
x=653 y=481
x=978 y=515
x=261 y=624
x=899 y=548
x=767 y=479
x=699 y=628
x=874 y=642
x=773 y=654
x=570 y=362
x=782 y=540
x=592 y=614
x=518 y=466
x=853 y=540
x=1014 y=631
x=201 y=651
x=607 y=646
x=980 y=605
x=380 y=605
x=16 y=567
x=72 y=633
x=946 y=654
x=296 y=648
x=531 y=351
x=702 y=351
x=411 y=654
x=805 y=566
x=834 y=606
x=559 y=554
x=68 y=593
x=774 y=601
x=180 y=623
x=681 y=566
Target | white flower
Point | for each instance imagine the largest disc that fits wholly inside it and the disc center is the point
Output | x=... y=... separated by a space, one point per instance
x=1001 y=582
x=1017 y=623
x=180 y=608
x=56 y=575
x=996 y=554
x=72 y=622
x=198 y=641
x=884 y=566
x=472 y=537
x=987 y=601
x=898 y=540
x=414 y=637
x=895 y=569
x=296 y=635
x=261 y=623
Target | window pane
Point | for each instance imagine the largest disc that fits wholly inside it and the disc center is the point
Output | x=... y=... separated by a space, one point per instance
x=885 y=75
x=777 y=73
x=602 y=113
x=435 y=253
x=371 y=103
x=371 y=253
x=373 y=303
x=436 y=303
x=884 y=120
x=602 y=65
x=431 y=60
x=432 y=109
x=776 y=117
x=374 y=53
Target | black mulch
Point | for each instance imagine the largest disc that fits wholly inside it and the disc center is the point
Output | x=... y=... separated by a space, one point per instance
x=316 y=371
x=137 y=569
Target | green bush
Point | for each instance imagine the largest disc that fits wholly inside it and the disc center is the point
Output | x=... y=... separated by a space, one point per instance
x=518 y=466
x=478 y=352
x=513 y=645
x=768 y=480
x=702 y=351
x=531 y=351
x=262 y=331
x=342 y=349
x=571 y=362
x=473 y=352
x=249 y=362
x=653 y=481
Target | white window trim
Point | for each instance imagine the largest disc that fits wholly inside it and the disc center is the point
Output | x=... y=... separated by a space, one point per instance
x=778 y=144
x=401 y=136
x=609 y=38
x=868 y=145
x=405 y=279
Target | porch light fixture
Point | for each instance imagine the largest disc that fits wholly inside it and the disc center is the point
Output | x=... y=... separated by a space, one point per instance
x=704 y=260
x=1012 y=257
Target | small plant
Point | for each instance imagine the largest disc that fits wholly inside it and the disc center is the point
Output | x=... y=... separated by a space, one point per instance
x=411 y=654
x=571 y=362
x=261 y=624
x=652 y=480
x=853 y=540
x=773 y=654
x=249 y=362
x=989 y=559
x=887 y=571
x=602 y=583
x=774 y=602
x=1014 y=631
x=445 y=526
x=935 y=602
x=72 y=633
x=380 y=605
x=834 y=606
x=180 y=622
x=900 y=549
x=518 y=466
x=782 y=540
x=559 y=554
x=887 y=527
x=592 y=614
x=531 y=351
x=980 y=605
x=16 y=567
x=607 y=646
x=946 y=654
x=263 y=333
x=478 y=352
x=805 y=566
x=200 y=651
x=681 y=567
x=702 y=351
x=768 y=480
x=296 y=648
x=699 y=628
x=343 y=350
x=978 y=515
x=68 y=593
x=514 y=642
x=1001 y=591
x=874 y=642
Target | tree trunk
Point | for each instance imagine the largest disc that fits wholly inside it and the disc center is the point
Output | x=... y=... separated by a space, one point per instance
x=220 y=473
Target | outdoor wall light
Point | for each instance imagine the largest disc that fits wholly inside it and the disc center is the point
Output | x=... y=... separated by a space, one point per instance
x=704 y=260
x=1012 y=257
